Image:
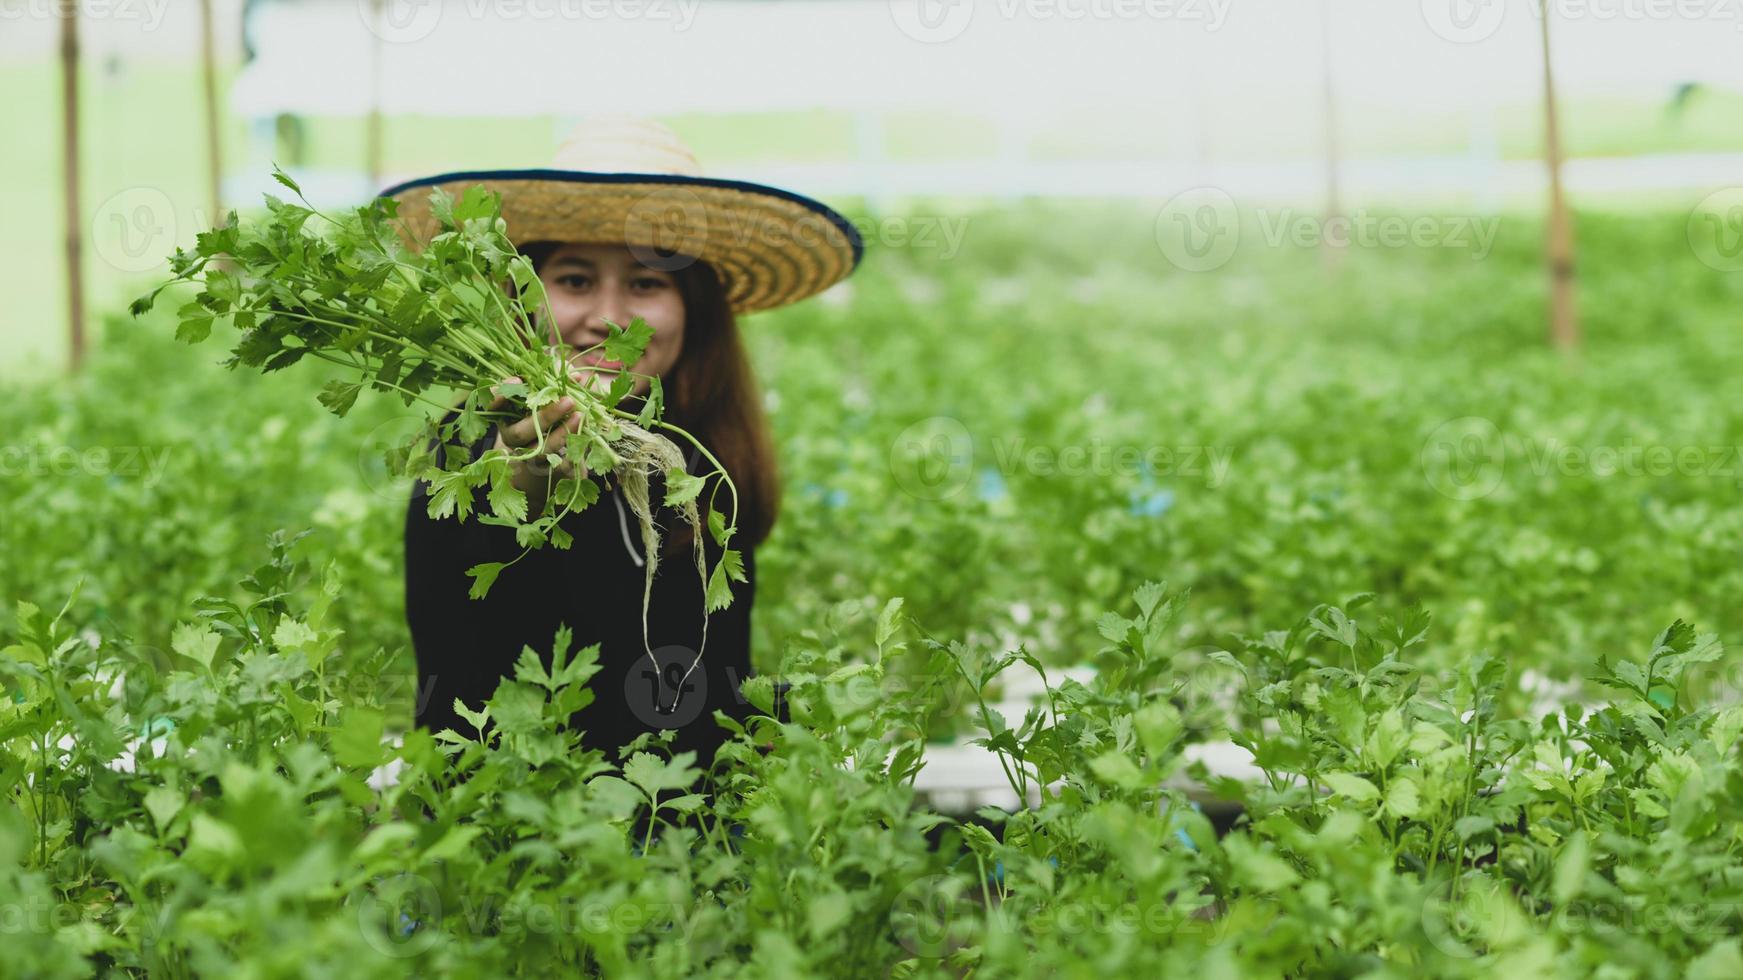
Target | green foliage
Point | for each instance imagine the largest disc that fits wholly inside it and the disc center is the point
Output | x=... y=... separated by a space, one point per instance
x=465 y=312
x=189 y=729
x=225 y=806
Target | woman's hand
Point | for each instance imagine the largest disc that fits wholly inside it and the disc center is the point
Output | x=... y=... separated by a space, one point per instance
x=535 y=476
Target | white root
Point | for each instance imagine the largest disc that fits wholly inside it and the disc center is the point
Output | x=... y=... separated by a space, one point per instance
x=649 y=454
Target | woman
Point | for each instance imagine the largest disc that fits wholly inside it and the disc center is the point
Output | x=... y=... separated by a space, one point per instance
x=624 y=227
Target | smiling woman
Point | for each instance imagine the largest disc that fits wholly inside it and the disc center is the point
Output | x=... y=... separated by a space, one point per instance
x=590 y=286
x=593 y=589
x=654 y=675
x=696 y=351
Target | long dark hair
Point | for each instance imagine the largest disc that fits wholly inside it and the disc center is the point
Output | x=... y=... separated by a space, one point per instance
x=712 y=392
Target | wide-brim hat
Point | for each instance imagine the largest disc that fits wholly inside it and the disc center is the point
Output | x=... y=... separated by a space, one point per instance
x=622 y=179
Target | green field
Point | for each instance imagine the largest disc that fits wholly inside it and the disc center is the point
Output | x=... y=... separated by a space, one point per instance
x=1388 y=515
x=144 y=183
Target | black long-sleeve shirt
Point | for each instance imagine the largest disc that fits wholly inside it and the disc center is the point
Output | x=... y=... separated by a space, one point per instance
x=466 y=646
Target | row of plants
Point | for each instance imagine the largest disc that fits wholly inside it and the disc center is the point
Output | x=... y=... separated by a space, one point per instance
x=205 y=755
x=1392 y=429
x=220 y=807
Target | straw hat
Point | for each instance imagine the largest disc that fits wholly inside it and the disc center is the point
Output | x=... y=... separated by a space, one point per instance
x=633 y=181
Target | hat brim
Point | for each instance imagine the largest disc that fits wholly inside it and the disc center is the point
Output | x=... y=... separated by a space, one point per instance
x=771 y=247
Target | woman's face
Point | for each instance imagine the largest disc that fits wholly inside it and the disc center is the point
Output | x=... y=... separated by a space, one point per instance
x=588 y=284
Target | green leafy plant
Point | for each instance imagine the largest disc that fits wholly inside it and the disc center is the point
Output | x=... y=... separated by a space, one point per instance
x=466 y=312
x=192 y=786
x=1400 y=822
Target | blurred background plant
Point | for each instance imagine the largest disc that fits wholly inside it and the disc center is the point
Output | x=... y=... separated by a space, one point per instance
x=1254 y=298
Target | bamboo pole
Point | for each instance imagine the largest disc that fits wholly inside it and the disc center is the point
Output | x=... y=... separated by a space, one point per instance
x=69 y=57
x=372 y=130
x=214 y=138
x=1564 y=323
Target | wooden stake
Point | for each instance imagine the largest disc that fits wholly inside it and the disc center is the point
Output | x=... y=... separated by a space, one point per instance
x=214 y=138
x=69 y=12
x=372 y=130
x=1564 y=322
